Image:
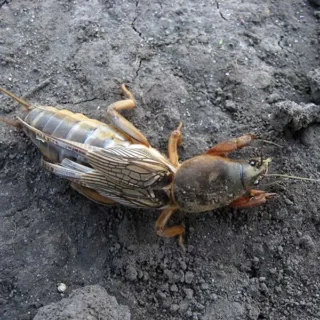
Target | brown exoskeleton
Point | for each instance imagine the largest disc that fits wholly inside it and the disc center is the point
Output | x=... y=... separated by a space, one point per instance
x=115 y=163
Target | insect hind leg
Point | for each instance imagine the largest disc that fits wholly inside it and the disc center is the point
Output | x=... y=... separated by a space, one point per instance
x=122 y=123
x=92 y=195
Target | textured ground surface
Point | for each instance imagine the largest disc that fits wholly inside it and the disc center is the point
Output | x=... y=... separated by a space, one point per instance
x=224 y=68
x=87 y=303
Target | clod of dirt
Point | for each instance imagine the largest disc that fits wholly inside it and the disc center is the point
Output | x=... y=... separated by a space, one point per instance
x=235 y=311
x=307 y=243
x=293 y=116
x=314 y=81
x=90 y=302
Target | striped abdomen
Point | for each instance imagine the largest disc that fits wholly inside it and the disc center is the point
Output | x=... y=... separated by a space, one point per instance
x=70 y=126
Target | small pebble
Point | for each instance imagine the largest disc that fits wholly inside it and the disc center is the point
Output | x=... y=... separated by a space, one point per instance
x=273 y=271
x=131 y=273
x=273 y=98
x=62 y=287
x=174 y=307
x=264 y=288
x=161 y=295
x=231 y=106
x=307 y=243
x=204 y=286
x=132 y=247
x=145 y=276
x=278 y=289
x=200 y=306
x=174 y=288
x=188 y=292
x=169 y=275
x=183 y=307
x=183 y=265
x=189 y=277
x=256 y=260
x=213 y=297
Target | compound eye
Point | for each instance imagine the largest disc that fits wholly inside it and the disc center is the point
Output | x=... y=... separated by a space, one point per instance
x=253 y=163
x=256 y=182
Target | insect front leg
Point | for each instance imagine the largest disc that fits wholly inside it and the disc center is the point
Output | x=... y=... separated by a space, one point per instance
x=170 y=232
x=174 y=141
x=255 y=198
x=222 y=148
x=122 y=123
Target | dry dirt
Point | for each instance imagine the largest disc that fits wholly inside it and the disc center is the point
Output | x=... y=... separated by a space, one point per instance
x=224 y=68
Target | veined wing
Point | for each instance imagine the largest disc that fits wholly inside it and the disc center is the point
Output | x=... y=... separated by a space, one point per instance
x=96 y=180
x=134 y=197
x=135 y=175
x=134 y=166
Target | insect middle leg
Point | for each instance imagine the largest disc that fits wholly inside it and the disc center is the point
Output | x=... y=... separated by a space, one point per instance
x=170 y=232
x=255 y=198
x=122 y=123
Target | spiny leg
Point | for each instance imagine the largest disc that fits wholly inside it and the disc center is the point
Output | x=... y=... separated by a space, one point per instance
x=174 y=141
x=256 y=198
x=222 y=148
x=92 y=195
x=165 y=232
x=122 y=123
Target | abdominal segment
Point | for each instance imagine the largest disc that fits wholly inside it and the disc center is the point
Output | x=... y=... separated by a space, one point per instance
x=73 y=127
